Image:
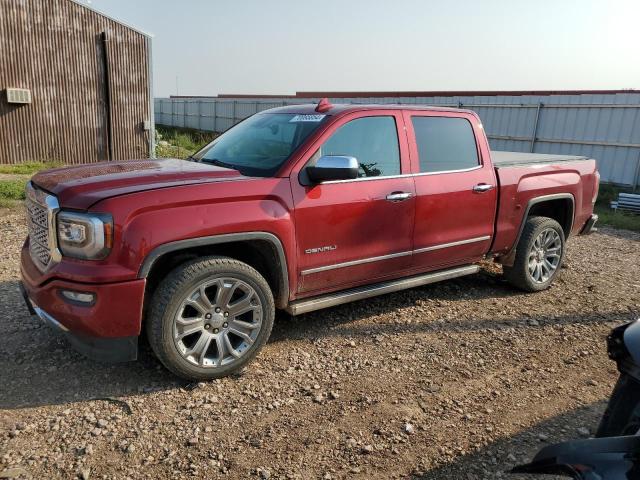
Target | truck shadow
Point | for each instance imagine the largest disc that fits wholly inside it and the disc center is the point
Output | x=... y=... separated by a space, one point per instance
x=500 y=456
x=342 y=321
x=38 y=366
x=343 y=326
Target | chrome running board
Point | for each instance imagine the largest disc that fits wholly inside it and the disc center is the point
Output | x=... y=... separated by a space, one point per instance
x=338 y=298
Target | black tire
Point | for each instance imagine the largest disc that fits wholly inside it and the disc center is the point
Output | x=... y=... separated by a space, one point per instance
x=519 y=275
x=170 y=296
x=622 y=416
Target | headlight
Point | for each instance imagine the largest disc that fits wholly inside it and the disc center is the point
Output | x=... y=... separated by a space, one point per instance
x=85 y=235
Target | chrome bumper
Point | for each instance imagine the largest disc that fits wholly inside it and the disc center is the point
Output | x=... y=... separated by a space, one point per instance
x=48 y=319
x=41 y=314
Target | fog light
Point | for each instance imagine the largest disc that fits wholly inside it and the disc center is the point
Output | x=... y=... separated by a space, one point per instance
x=80 y=297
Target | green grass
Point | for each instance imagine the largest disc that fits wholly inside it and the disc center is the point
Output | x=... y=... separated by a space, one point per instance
x=28 y=168
x=10 y=203
x=182 y=142
x=12 y=186
x=607 y=216
x=12 y=189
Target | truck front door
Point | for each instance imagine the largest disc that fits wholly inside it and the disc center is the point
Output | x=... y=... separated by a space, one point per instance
x=455 y=186
x=352 y=232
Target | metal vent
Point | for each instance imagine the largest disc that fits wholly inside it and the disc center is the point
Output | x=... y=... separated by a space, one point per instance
x=18 y=95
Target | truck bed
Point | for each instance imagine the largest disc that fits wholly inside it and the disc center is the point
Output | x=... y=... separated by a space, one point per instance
x=513 y=159
x=523 y=177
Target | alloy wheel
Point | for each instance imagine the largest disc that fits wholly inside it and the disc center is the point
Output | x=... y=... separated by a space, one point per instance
x=217 y=322
x=544 y=256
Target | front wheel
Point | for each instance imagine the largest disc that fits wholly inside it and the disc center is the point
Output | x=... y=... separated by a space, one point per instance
x=539 y=255
x=210 y=317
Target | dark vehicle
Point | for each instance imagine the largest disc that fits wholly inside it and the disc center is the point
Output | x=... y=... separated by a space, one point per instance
x=615 y=452
x=622 y=416
x=615 y=458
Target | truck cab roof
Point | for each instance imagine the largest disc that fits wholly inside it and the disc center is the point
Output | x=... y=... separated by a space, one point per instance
x=342 y=108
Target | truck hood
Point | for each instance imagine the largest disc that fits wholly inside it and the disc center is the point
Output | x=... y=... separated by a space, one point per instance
x=82 y=186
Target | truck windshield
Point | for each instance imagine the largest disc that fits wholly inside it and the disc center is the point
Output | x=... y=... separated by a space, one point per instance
x=259 y=145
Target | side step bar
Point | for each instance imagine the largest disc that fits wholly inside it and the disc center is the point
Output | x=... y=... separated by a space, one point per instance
x=338 y=298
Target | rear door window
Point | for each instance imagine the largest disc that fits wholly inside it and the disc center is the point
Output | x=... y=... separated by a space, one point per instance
x=445 y=144
x=373 y=141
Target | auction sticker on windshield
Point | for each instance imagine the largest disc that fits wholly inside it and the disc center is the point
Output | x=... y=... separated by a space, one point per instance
x=307 y=118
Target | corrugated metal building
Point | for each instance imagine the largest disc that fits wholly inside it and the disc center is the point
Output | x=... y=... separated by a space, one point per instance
x=604 y=125
x=75 y=85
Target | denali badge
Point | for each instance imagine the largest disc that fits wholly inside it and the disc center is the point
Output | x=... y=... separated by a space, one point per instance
x=326 y=248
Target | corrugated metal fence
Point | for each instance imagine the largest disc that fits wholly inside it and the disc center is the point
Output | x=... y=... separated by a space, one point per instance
x=605 y=126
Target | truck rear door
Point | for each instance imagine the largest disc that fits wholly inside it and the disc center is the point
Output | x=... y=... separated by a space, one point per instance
x=456 y=188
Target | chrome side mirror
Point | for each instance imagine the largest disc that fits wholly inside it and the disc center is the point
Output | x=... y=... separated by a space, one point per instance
x=333 y=167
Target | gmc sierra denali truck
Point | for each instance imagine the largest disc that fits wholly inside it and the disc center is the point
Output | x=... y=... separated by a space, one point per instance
x=296 y=208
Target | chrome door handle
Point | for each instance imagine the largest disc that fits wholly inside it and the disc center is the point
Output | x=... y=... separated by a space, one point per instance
x=483 y=187
x=398 y=196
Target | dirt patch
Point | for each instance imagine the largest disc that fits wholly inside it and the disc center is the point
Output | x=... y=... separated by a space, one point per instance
x=12 y=176
x=460 y=380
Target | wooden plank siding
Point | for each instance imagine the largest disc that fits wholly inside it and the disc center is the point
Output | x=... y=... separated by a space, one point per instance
x=55 y=49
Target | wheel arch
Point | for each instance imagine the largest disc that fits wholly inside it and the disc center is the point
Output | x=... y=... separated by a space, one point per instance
x=560 y=207
x=261 y=250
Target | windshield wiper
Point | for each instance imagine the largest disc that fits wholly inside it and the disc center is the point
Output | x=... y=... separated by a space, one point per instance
x=218 y=163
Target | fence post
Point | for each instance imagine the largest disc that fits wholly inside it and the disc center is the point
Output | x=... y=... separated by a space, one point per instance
x=233 y=114
x=199 y=114
x=636 y=178
x=535 y=128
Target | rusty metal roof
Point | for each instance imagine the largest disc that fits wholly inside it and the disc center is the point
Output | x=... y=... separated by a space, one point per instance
x=125 y=24
x=434 y=93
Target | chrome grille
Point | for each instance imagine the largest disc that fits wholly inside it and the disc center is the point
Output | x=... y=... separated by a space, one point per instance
x=40 y=209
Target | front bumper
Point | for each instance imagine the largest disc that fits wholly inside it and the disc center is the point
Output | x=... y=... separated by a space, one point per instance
x=109 y=350
x=106 y=329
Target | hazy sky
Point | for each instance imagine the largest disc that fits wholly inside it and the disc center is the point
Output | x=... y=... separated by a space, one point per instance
x=284 y=46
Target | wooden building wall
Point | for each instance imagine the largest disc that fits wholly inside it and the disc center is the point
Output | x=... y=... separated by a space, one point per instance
x=83 y=69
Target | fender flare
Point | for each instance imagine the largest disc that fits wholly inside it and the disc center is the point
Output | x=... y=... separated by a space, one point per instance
x=509 y=257
x=283 y=298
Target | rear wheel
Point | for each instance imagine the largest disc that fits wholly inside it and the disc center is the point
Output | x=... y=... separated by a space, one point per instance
x=539 y=255
x=210 y=317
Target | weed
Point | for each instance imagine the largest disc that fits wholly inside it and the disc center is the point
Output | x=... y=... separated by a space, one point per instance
x=607 y=216
x=175 y=142
x=12 y=189
x=28 y=168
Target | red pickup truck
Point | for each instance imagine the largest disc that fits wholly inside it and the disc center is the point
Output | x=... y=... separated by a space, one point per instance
x=296 y=208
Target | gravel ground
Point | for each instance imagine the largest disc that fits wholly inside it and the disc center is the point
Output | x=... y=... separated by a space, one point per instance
x=460 y=380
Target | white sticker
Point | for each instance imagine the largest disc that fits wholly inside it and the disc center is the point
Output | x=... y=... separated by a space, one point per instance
x=307 y=118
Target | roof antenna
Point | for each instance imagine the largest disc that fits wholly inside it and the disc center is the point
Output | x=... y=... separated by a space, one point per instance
x=323 y=105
